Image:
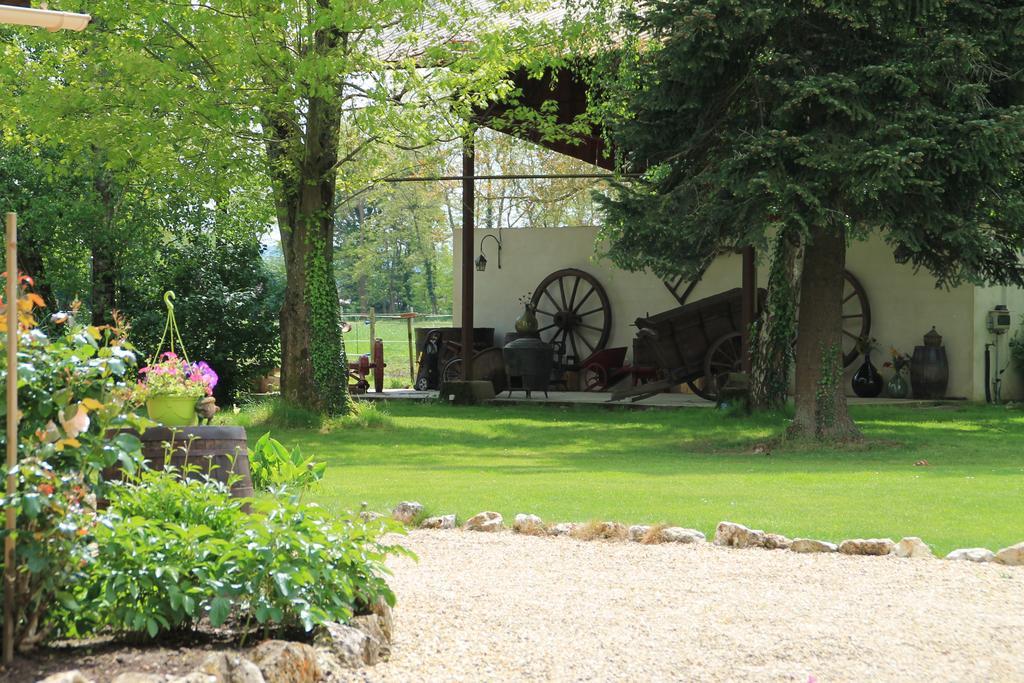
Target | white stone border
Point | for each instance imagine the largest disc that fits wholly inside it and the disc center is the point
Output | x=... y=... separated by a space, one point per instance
x=727 y=534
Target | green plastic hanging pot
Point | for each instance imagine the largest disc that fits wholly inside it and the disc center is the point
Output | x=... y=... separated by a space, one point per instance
x=172 y=411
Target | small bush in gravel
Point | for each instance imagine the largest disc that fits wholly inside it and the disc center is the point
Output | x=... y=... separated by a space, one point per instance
x=594 y=530
x=653 y=535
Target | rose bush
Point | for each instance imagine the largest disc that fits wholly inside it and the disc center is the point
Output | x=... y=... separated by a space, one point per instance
x=72 y=395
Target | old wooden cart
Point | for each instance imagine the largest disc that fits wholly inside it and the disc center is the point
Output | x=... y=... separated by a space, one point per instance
x=693 y=344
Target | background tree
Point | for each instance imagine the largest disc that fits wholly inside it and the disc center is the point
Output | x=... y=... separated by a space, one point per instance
x=308 y=91
x=826 y=121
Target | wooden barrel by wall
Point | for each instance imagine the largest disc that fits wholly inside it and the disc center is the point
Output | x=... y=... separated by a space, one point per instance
x=929 y=372
x=217 y=451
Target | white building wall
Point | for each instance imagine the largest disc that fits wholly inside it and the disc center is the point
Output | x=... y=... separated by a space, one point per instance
x=904 y=305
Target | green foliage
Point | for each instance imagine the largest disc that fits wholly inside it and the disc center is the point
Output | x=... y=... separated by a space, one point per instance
x=272 y=466
x=71 y=395
x=757 y=116
x=286 y=565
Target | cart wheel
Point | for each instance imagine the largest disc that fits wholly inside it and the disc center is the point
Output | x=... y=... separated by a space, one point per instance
x=856 y=317
x=378 y=365
x=572 y=308
x=724 y=356
x=594 y=378
x=422 y=384
x=452 y=371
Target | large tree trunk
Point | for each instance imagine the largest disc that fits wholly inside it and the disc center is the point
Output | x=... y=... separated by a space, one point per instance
x=776 y=330
x=820 y=401
x=314 y=367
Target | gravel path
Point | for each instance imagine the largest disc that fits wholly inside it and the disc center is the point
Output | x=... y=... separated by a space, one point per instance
x=504 y=607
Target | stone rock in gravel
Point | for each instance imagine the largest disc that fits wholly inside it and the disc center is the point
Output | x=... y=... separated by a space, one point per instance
x=809 y=545
x=370 y=516
x=379 y=645
x=139 y=677
x=406 y=511
x=913 y=547
x=73 y=676
x=1013 y=556
x=732 y=535
x=484 y=521
x=638 y=531
x=972 y=555
x=562 y=529
x=281 y=661
x=867 y=546
x=230 y=667
x=346 y=644
x=528 y=523
x=677 y=534
x=442 y=522
x=776 y=542
x=385 y=617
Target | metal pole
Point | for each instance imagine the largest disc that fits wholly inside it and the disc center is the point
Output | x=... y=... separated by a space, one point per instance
x=373 y=329
x=468 y=226
x=412 y=360
x=749 y=303
x=10 y=574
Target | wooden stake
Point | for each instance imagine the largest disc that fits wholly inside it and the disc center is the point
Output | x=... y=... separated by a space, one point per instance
x=373 y=328
x=412 y=354
x=10 y=573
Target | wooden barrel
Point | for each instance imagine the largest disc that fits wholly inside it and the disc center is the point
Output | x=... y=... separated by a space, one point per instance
x=929 y=372
x=217 y=451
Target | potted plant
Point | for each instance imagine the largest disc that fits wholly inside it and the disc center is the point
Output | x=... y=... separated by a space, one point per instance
x=172 y=386
x=897 y=385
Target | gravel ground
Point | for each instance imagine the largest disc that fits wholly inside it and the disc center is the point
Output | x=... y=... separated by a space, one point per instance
x=504 y=607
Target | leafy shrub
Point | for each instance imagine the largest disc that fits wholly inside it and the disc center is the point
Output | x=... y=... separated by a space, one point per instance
x=286 y=565
x=227 y=305
x=71 y=392
x=272 y=465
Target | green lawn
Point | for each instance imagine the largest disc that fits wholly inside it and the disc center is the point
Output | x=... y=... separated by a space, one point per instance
x=690 y=468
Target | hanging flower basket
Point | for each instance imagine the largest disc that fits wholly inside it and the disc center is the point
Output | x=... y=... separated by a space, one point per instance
x=178 y=411
x=170 y=385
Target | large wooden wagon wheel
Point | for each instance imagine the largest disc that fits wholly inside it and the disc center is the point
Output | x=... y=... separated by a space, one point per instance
x=725 y=355
x=572 y=308
x=856 y=317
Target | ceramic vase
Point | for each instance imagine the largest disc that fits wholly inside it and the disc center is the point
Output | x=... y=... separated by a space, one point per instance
x=867 y=383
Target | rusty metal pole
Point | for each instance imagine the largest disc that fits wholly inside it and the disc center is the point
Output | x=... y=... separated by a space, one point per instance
x=412 y=354
x=10 y=574
x=468 y=249
x=749 y=305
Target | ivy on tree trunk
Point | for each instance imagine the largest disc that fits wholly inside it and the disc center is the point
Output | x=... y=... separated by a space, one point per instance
x=772 y=350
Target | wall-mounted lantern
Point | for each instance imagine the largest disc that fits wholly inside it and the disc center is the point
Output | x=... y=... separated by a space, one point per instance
x=481 y=260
